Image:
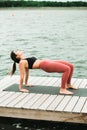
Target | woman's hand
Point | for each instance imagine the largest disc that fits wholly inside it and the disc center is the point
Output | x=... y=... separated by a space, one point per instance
x=24 y=90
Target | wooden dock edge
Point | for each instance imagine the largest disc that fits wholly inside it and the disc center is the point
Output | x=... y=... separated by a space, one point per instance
x=43 y=115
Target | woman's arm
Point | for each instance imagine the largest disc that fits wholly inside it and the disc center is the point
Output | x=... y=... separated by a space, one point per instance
x=22 y=71
x=26 y=76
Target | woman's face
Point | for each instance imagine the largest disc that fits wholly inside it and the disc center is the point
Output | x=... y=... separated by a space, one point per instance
x=18 y=54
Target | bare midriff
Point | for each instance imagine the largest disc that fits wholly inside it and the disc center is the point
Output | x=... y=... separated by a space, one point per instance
x=36 y=64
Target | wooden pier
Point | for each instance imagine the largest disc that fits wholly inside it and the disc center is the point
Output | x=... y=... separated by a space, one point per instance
x=39 y=106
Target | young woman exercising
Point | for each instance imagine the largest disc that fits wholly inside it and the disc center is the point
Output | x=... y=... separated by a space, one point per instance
x=49 y=66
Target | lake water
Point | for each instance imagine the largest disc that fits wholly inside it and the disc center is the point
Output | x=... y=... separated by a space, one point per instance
x=46 y=34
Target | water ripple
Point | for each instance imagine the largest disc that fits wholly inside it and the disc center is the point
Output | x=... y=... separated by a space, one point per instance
x=51 y=34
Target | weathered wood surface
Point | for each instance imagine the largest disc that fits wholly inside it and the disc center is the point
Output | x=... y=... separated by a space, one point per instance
x=43 y=106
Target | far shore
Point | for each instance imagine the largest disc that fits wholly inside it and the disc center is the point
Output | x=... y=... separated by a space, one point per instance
x=44 y=8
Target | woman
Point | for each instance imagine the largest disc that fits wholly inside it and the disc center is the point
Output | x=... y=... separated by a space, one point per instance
x=47 y=65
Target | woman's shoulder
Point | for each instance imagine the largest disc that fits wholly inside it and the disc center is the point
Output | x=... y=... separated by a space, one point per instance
x=23 y=61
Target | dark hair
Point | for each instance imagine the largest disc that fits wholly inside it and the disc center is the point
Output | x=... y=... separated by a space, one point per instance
x=13 y=57
x=16 y=60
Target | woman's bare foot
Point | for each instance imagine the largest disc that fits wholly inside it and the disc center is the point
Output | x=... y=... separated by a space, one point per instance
x=24 y=90
x=71 y=86
x=65 y=92
x=28 y=85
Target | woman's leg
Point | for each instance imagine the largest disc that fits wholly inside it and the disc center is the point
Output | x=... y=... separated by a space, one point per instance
x=52 y=66
x=70 y=75
x=71 y=69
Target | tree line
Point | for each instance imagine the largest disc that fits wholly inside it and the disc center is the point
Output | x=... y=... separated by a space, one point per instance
x=32 y=3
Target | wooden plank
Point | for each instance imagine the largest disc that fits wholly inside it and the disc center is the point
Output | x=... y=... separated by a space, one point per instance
x=24 y=101
x=63 y=103
x=9 y=99
x=4 y=81
x=55 y=103
x=77 y=82
x=9 y=81
x=6 y=96
x=84 y=110
x=2 y=93
x=71 y=104
x=16 y=100
x=35 y=80
x=53 y=82
x=47 y=102
x=46 y=81
x=39 y=102
x=58 y=82
x=31 y=79
x=73 y=80
x=6 y=78
x=40 y=81
x=43 y=115
x=83 y=83
x=79 y=105
x=28 y=104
